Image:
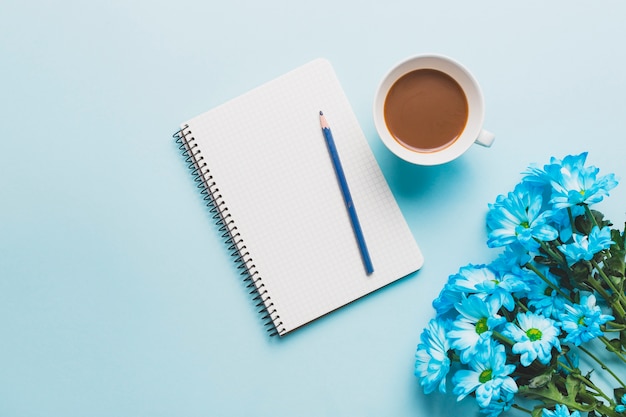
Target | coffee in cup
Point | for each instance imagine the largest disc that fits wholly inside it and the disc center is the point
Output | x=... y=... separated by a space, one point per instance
x=429 y=109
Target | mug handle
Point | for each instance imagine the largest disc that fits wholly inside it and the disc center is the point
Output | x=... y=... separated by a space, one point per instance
x=485 y=138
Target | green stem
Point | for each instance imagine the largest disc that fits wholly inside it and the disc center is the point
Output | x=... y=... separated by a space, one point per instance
x=521 y=305
x=590 y=215
x=569 y=368
x=547 y=281
x=582 y=402
x=614 y=327
x=610 y=347
x=571 y=217
x=519 y=407
x=557 y=256
x=596 y=286
x=607 y=411
x=576 y=374
x=600 y=407
x=620 y=296
x=499 y=336
x=600 y=289
x=569 y=361
x=602 y=364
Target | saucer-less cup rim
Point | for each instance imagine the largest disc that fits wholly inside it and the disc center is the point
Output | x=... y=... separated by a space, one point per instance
x=475 y=116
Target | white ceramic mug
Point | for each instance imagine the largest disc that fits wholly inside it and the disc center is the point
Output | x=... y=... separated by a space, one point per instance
x=473 y=131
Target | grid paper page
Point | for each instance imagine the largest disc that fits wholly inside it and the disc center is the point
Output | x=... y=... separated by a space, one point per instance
x=267 y=154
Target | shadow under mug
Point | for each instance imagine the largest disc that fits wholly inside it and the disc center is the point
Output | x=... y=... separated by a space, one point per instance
x=472 y=132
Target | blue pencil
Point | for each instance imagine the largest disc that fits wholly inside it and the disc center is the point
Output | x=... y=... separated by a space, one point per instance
x=346 y=194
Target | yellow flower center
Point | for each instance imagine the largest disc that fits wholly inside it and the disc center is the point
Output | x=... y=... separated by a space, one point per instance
x=484 y=376
x=481 y=326
x=534 y=334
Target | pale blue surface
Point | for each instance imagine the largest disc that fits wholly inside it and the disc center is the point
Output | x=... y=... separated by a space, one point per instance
x=117 y=297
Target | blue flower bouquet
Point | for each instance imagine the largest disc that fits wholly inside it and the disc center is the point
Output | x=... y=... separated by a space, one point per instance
x=514 y=333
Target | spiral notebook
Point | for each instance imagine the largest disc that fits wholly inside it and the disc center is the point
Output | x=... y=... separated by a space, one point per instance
x=263 y=165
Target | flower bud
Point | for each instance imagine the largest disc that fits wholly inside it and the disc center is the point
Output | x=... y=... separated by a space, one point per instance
x=540 y=381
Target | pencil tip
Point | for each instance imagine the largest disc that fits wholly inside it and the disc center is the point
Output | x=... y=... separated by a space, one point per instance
x=321 y=114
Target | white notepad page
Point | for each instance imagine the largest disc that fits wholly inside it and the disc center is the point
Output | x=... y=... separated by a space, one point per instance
x=268 y=158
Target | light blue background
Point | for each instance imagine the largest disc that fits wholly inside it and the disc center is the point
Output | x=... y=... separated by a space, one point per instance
x=117 y=297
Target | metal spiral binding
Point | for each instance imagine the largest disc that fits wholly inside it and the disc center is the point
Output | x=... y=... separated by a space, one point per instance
x=223 y=219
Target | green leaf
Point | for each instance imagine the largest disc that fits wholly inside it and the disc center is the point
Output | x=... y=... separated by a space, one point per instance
x=559 y=273
x=599 y=216
x=583 y=225
x=580 y=274
x=543 y=260
x=616 y=344
x=618 y=238
x=573 y=386
x=615 y=264
x=537 y=411
x=547 y=392
x=585 y=402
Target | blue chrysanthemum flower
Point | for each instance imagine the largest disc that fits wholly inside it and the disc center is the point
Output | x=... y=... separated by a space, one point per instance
x=582 y=321
x=488 y=377
x=514 y=256
x=585 y=247
x=431 y=359
x=509 y=283
x=519 y=217
x=538 y=177
x=562 y=220
x=572 y=359
x=560 y=411
x=543 y=298
x=498 y=405
x=534 y=337
x=475 y=279
x=573 y=183
x=472 y=276
x=448 y=298
x=470 y=333
x=490 y=285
